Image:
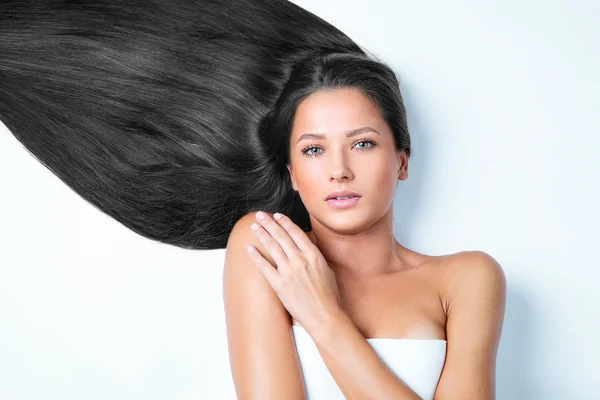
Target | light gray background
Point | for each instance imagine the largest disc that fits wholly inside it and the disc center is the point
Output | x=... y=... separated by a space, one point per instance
x=502 y=101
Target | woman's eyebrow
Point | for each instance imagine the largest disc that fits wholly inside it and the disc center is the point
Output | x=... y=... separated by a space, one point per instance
x=350 y=133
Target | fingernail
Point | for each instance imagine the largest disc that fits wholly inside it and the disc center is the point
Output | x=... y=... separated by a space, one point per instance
x=260 y=215
x=254 y=227
x=277 y=216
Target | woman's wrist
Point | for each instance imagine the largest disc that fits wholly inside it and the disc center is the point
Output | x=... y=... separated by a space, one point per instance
x=328 y=325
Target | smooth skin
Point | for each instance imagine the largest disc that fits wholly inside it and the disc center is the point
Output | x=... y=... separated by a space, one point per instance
x=385 y=289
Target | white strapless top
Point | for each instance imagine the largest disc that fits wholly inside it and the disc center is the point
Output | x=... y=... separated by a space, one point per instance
x=417 y=362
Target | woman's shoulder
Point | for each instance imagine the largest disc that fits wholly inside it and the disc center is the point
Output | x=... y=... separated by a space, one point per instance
x=469 y=271
x=243 y=224
x=473 y=263
x=241 y=236
x=463 y=262
x=462 y=271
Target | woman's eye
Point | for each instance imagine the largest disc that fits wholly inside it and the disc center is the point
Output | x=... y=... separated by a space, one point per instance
x=308 y=150
x=367 y=142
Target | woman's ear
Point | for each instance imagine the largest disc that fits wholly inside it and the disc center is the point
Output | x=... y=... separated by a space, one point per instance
x=292 y=178
x=403 y=166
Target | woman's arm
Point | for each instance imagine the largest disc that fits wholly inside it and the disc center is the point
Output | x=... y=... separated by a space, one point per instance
x=354 y=365
x=473 y=331
x=263 y=358
x=476 y=302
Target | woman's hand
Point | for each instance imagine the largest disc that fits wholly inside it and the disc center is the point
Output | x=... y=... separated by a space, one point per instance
x=302 y=278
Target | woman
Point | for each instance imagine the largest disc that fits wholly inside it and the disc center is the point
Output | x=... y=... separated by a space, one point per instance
x=182 y=120
x=352 y=280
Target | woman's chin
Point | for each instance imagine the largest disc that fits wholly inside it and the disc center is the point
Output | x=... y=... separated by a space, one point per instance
x=346 y=225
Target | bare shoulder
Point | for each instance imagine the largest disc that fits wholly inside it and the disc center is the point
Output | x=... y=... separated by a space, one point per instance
x=241 y=235
x=468 y=268
x=469 y=265
x=241 y=231
x=245 y=222
x=466 y=273
x=262 y=355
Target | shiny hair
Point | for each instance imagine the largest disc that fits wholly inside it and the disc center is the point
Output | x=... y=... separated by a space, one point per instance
x=174 y=117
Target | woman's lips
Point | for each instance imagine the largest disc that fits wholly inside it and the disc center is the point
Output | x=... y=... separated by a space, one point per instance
x=343 y=203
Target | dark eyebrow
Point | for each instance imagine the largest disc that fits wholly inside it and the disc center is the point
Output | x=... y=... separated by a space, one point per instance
x=350 y=133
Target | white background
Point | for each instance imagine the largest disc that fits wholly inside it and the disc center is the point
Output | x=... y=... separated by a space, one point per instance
x=502 y=102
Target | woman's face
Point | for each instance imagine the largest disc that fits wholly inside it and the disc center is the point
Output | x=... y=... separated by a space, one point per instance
x=366 y=163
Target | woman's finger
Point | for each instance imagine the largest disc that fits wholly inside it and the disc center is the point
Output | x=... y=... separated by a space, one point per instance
x=279 y=234
x=271 y=245
x=300 y=238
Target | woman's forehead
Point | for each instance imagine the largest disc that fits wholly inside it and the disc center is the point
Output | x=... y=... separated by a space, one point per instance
x=336 y=110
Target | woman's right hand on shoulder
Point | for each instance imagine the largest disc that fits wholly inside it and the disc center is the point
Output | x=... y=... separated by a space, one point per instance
x=263 y=358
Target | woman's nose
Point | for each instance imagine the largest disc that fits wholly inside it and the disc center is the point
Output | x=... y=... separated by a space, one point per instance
x=341 y=170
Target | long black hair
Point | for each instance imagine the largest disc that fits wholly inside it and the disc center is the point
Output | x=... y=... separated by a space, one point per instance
x=173 y=117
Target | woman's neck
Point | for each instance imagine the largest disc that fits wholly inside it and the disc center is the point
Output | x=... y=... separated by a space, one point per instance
x=368 y=254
